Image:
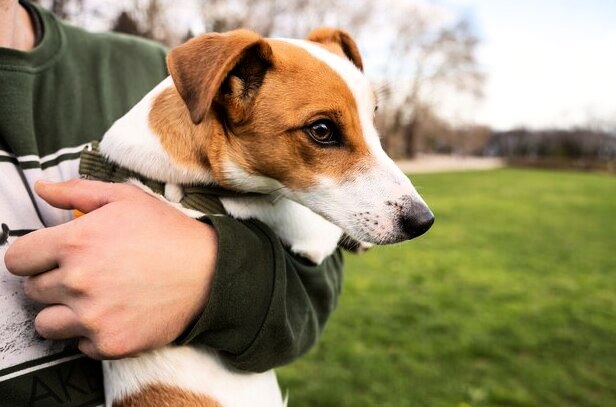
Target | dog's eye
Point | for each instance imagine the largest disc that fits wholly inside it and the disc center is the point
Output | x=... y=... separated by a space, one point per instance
x=323 y=132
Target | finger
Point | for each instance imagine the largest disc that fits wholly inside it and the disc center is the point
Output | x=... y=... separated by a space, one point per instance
x=58 y=322
x=87 y=346
x=46 y=288
x=84 y=195
x=35 y=252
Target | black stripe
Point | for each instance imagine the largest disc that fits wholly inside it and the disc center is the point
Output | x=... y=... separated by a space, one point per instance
x=72 y=383
x=60 y=158
x=20 y=232
x=40 y=361
x=5 y=233
x=28 y=165
x=5 y=159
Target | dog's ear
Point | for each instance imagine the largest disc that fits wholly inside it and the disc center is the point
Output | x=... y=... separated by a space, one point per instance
x=203 y=67
x=333 y=37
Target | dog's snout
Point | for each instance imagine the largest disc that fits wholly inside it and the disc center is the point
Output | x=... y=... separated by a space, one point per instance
x=417 y=221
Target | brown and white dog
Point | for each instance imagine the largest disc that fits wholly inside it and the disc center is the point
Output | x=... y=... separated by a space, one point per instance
x=292 y=120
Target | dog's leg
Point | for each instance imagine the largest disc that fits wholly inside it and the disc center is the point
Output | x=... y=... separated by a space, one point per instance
x=305 y=232
x=186 y=376
x=160 y=395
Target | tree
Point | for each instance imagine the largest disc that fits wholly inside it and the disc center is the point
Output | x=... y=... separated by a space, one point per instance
x=432 y=59
x=418 y=54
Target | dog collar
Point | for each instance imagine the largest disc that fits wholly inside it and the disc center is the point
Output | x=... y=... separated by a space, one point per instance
x=203 y=198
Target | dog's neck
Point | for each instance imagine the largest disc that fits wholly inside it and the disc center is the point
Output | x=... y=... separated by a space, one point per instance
x=157 y=139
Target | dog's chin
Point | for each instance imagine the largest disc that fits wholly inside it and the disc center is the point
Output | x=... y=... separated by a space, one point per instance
x=362 y=241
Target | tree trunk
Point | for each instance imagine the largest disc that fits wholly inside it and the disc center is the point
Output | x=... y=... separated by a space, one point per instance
x=410 y=133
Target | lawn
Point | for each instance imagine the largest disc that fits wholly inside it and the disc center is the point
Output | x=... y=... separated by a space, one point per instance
x=510 y=300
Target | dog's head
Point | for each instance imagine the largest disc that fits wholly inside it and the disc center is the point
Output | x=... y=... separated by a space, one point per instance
x=296 y=117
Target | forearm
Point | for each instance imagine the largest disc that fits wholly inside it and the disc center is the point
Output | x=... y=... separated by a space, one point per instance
x=266 y=307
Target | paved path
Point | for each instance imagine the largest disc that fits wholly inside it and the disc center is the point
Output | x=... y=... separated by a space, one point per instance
x=442 y=163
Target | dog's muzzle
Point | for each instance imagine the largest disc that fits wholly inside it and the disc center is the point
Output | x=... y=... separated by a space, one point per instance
x=417 y=221
x=414 y=217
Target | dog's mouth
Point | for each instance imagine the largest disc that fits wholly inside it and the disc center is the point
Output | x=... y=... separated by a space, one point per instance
x=403 y=219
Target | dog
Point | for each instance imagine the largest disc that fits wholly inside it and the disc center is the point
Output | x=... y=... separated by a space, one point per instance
x=290 y=125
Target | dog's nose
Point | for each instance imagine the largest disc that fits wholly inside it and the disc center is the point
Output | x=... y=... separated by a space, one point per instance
x=417 y=222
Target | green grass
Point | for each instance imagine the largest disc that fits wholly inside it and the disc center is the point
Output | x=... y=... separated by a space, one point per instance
x=510 y=300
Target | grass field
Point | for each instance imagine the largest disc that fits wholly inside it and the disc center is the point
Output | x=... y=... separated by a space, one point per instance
x=510 y=300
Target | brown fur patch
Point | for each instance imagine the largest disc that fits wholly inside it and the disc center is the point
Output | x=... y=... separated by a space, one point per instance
x=299 y=89
x=165 y=396
x=200 y=65
x=339 y=42
x=184 y=141
x=265 y=134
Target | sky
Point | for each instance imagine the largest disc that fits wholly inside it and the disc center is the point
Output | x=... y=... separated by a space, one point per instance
x=549 y=63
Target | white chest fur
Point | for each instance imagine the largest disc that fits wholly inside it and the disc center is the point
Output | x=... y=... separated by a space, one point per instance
x=305 y=232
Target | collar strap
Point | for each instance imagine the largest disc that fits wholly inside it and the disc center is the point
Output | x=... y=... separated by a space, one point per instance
x=200 y=197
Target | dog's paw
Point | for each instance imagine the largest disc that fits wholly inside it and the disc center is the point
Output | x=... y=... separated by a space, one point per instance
x=316 y=253
x=355 y=246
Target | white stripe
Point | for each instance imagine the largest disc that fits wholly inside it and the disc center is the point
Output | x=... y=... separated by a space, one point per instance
x=357 y=83
x=39 y=367
x=361 y=90
x=49 y=157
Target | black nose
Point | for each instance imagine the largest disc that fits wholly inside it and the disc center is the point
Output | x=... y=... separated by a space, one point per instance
x=417 y=222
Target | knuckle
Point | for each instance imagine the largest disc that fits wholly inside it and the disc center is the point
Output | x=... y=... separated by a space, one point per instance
x=42 y=326
x=76 y=283
x=86 y=347
x=111 y=347
x=10 y=259
x=90 y=321
x=29 y=288
x=74 y=183
x=16 y=254
x=110 y=191
x=74 y=238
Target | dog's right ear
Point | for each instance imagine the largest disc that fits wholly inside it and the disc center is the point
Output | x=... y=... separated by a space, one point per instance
x=200 y=68
x=340 y=39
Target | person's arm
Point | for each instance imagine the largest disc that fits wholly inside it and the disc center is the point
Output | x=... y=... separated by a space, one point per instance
x=267 y=306
x=128 y=276
x=133 y=273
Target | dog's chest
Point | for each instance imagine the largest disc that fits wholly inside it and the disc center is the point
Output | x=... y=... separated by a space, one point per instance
x=303 y=231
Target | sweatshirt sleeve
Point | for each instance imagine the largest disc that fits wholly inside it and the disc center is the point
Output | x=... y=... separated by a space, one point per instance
x=266 y=307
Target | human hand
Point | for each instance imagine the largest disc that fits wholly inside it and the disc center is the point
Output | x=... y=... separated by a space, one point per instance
x=128 y=276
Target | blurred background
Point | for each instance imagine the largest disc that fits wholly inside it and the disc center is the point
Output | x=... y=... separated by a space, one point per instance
x=530 y=82
x=510 y=299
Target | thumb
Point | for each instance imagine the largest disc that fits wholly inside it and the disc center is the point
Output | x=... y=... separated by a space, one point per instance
x=83 y=195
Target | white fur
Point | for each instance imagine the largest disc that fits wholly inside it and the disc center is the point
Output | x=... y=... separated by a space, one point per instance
x=244 y=181
x=194 y=369
x=197 y=370
x=186 y=211
x=131 y=143
x=349 y=204
x=173 y=192
x=305 y=232
x=302 y=230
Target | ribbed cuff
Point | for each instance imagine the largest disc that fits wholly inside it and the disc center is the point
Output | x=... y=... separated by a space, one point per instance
x=241 y=289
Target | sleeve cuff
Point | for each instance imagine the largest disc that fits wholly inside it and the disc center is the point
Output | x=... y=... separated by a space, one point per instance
x=241 y=291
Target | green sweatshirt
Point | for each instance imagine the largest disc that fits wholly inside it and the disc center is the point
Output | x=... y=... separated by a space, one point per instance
x=266 y=306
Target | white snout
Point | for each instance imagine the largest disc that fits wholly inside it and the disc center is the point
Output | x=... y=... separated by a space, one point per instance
x=380 y=206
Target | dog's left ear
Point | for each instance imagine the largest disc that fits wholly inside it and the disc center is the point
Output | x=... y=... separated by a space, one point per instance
x=340 y=40
x=228 y=68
